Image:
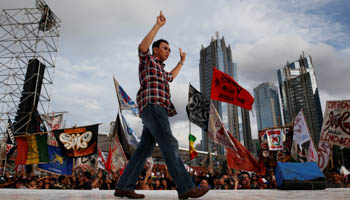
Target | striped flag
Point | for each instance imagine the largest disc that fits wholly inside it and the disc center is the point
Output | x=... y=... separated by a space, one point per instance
x=192 y=150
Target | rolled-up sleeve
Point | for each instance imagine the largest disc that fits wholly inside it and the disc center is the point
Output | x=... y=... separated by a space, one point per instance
x=168 y=76
x=144 y=57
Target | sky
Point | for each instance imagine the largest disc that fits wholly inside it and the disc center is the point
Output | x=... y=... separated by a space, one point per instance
x=99 y=40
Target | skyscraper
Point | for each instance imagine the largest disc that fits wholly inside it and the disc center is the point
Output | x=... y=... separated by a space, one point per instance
x=218 y=55
x=298 y=88
x=267 y=105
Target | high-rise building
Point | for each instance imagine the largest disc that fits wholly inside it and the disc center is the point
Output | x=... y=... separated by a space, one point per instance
x=247 y=133
x=218 y=55
x=298 y=88
x=267 y=106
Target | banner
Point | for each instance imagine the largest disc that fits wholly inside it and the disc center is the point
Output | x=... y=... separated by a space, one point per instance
x=324 y=152
x=198 y=108
x=59 y=163
x=303 y=149
x=54 y=122
x=224 y=88
x=192 y=151
x=241 y=158
x=11 y=141
x=275 y=138
x=87 y=163
x=216 y=130
x=78 y=142
x=125 y=102
x=336 y=123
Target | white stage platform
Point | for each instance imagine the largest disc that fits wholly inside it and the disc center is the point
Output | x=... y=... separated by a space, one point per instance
x=328 y=194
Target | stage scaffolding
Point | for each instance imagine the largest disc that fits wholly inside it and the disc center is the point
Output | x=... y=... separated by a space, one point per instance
x=26 y=34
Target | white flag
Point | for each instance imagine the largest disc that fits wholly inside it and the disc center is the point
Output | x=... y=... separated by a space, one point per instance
x=216 y=129
x=302 y=139
x=54 y=122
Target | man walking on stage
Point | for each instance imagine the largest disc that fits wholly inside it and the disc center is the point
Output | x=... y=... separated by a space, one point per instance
x=153 y=99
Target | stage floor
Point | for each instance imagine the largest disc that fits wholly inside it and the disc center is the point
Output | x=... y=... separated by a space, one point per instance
x=26 y=194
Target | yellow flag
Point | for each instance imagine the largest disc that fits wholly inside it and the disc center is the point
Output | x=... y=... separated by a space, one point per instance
x=33 y=153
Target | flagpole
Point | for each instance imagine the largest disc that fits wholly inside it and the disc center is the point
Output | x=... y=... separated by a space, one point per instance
x=189 y=143
x=5 y=165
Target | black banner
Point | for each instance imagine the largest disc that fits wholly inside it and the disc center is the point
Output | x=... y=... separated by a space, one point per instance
x=198 y=108
x=78 y=142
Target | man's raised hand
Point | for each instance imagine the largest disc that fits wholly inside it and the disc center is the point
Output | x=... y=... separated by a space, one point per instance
x=182 y=55
x=161 y=20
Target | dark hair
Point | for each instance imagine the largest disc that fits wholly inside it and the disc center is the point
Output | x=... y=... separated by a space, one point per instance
x=157 y=43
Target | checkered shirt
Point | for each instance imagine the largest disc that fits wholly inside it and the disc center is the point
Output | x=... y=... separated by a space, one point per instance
x=154 y=84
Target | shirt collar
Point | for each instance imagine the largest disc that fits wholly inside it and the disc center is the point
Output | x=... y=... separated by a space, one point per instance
x=158 y=61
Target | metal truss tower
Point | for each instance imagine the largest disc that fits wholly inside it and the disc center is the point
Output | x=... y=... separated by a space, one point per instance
x=26 y=35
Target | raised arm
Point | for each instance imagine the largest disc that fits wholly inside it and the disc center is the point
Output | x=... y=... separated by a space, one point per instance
x=147 y=41
x=179 y=65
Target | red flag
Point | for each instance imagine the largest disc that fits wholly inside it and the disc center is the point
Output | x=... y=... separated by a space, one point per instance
x=22 y=150
x=224 y=88
x=241 y=159
x=109 y=160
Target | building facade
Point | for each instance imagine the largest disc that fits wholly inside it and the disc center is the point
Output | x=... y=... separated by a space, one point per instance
x=218 y=55
x=267 y=106
x=299 y=90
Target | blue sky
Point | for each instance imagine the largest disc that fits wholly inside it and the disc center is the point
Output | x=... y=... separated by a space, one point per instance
x=99 y=39
x=337 y=12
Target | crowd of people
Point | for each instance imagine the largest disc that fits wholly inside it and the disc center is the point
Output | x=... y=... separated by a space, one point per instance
x=155 y=179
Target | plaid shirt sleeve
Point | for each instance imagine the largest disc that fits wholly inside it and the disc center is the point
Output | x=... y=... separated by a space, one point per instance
x=168 y=76
x=145 y=58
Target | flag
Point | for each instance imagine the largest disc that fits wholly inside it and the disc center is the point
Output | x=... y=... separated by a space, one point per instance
x=121 y=133
x=78 y=142
x=198 y=108
x=192 y=150
x=224 y=88
x=207 y=162
x=11 y=141
x=87 y=163
x=216 y=130
x=241 y=158
x=336 y=123
x=101 y=159
x=117 y=157
x=275 y=139
x=130 y=134
x=59 y=163
x=108 y=163
x=22 y=150
x=125 y=102
x=54 y=122
x=302 y=148
x=33 y=153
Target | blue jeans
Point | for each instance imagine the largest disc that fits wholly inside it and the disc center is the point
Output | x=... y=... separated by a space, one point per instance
x=156 y=129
